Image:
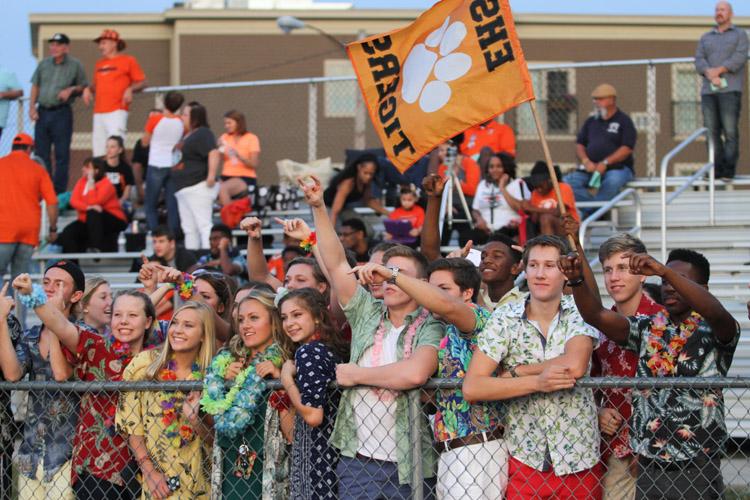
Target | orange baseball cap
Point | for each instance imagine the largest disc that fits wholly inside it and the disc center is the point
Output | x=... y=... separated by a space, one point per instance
x=23 y=140
x=113 y=35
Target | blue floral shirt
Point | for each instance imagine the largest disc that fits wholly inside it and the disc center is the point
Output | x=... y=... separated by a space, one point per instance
x=52 y=416
x=455 y=417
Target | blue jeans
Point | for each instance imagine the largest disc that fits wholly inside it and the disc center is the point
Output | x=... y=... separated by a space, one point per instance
x=721 y=116
x=55 y=127
x=18 y=255
x=156 y=180
x=612 y=181
x=375 y=479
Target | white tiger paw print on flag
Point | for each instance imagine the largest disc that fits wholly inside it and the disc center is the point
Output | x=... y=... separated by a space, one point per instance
x=436 y=56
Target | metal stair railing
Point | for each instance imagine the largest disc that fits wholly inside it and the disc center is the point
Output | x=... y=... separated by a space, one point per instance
x=708 y=167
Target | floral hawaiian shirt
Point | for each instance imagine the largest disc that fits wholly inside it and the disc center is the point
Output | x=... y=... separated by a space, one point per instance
x=455 y=417
x=98 y=449
x=611 y=360
x=678 y=424
x=560 y=427
x=6 y=416
x=51 y=418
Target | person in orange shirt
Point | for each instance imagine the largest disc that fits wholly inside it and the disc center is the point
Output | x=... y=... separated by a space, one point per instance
x=116 y=77
x=543 y=205
x=100 y=216
x=24 y=184
x=240 y=151
x=497 y=137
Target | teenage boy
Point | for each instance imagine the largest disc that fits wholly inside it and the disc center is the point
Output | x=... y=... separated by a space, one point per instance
x=543 y=345
x=473 y=456
x=499 y=265
x=611 y=360
x=394 y=348
x=43 y=458
x=677 y=433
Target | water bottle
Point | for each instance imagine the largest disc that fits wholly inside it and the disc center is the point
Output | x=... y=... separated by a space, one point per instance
x=596 y=180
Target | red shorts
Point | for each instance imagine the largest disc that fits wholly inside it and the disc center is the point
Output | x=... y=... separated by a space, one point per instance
x=527 y=482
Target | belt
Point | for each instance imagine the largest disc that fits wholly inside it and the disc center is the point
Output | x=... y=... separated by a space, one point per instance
x=54 y=108
x=483 y=437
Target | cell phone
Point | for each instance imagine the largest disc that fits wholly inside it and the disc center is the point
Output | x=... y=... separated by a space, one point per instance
x=474 y=256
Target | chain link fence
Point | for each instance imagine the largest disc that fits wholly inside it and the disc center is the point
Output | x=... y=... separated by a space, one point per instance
x=124 y=439
x=315 y=118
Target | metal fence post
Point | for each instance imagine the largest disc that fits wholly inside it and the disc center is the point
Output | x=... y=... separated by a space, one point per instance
x=651 y=111
x=312 y=121
x=415 y=440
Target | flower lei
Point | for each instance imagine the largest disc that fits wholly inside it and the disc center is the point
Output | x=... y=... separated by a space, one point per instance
x=663 y=359
x=377 y=348
x=308 y=243
x=186 y=287
x=235 y=409
x=179 y=434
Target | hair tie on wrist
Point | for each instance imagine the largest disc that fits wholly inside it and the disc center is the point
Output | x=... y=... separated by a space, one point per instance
x=36 y=298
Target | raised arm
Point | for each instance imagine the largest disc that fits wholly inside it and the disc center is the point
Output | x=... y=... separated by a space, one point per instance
x=51 y=316
x=433 y=186
x=399 y=376
x=257 y=268
x=449 y=308
x=11 y=368
x=343 y=283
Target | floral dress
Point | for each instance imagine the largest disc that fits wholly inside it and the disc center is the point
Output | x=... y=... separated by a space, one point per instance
x=314 y=460
x=142 y=414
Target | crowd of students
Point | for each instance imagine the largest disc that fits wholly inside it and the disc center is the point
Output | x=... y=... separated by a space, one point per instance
x=518 y=428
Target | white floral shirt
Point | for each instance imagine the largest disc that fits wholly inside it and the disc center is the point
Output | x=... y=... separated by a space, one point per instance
x=558 y=428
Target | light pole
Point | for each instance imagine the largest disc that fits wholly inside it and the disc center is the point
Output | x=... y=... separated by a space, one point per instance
x=287 y=24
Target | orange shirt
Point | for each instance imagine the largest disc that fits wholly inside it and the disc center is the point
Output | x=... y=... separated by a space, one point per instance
x=103 y=194
x=549 y=200
x=471 y=175
x=415 y=215
x=244 y=146
x=24 y=184
x=496 y=136
x=276 y=267
x=111 y=78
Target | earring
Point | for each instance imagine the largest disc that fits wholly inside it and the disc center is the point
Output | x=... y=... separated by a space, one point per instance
x=85 y=311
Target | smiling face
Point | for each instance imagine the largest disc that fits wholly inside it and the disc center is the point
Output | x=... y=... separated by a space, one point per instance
x=495 y=168
x=297 y=321
x=545 y=279
x=185 y=331
x=129 y=320
x=621 y=284
x=393 y=296
x=230 y=125
x=497 y=264
x=205 y=293
x=55 y=278
x=254 y=325
x=98 y=311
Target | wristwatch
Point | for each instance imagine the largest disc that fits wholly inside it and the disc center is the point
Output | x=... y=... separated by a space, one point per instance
x=605 y=162
x=394 y=275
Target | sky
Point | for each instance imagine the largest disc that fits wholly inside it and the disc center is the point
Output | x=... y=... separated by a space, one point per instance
x=15 y=35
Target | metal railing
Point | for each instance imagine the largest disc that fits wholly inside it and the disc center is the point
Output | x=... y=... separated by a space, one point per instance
x=677 y=192
x=607 y=207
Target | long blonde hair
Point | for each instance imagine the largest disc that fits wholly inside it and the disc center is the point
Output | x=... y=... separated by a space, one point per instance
x=91 y=286
x=267 y=300
x=208 y=343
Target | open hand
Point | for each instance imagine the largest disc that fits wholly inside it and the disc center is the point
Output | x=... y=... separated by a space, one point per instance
x=313 y=190
x=252 y=226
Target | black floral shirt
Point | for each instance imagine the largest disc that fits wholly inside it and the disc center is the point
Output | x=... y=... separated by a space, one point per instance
x=678 y=424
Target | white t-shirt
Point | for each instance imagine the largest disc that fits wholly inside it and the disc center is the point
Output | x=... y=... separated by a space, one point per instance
x=166 y=132
x=491 y=204
x=374 y=415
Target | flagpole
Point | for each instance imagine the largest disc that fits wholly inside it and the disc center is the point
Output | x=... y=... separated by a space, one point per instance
x=550 y=166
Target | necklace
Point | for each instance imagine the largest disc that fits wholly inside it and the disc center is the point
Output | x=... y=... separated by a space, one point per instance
x=177 y=431
x=663 y=358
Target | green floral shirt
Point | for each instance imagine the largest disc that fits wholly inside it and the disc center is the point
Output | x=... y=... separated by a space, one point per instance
x=560 y=427
x=364 y=314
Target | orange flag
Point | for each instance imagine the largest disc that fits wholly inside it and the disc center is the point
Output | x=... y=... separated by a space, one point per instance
x=459 y=64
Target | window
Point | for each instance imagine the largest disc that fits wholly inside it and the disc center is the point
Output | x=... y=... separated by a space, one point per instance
x=340 y=97
x=556 y=103
x=686 y=100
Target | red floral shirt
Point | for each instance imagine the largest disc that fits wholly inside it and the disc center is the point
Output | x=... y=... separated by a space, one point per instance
x=97 y=447
x=611 y=360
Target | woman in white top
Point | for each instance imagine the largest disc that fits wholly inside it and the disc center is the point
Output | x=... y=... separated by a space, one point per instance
x=490 y=209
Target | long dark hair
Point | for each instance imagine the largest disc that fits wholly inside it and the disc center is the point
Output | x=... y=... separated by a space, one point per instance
x=122 y=159
x=350 y=171
x=509 y=166
x=198 y=116
x=224 y=288
x=315 y=303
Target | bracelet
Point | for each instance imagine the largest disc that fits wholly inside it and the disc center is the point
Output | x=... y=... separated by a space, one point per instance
x=36 y=298
x=577 y=282
x=186 y=287
x=308 y=243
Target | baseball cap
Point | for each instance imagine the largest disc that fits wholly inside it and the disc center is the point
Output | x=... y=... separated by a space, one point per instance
x=109 y=34
x=70 y=267
x=604 y=90
x=23 y=140
x=59 y=38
